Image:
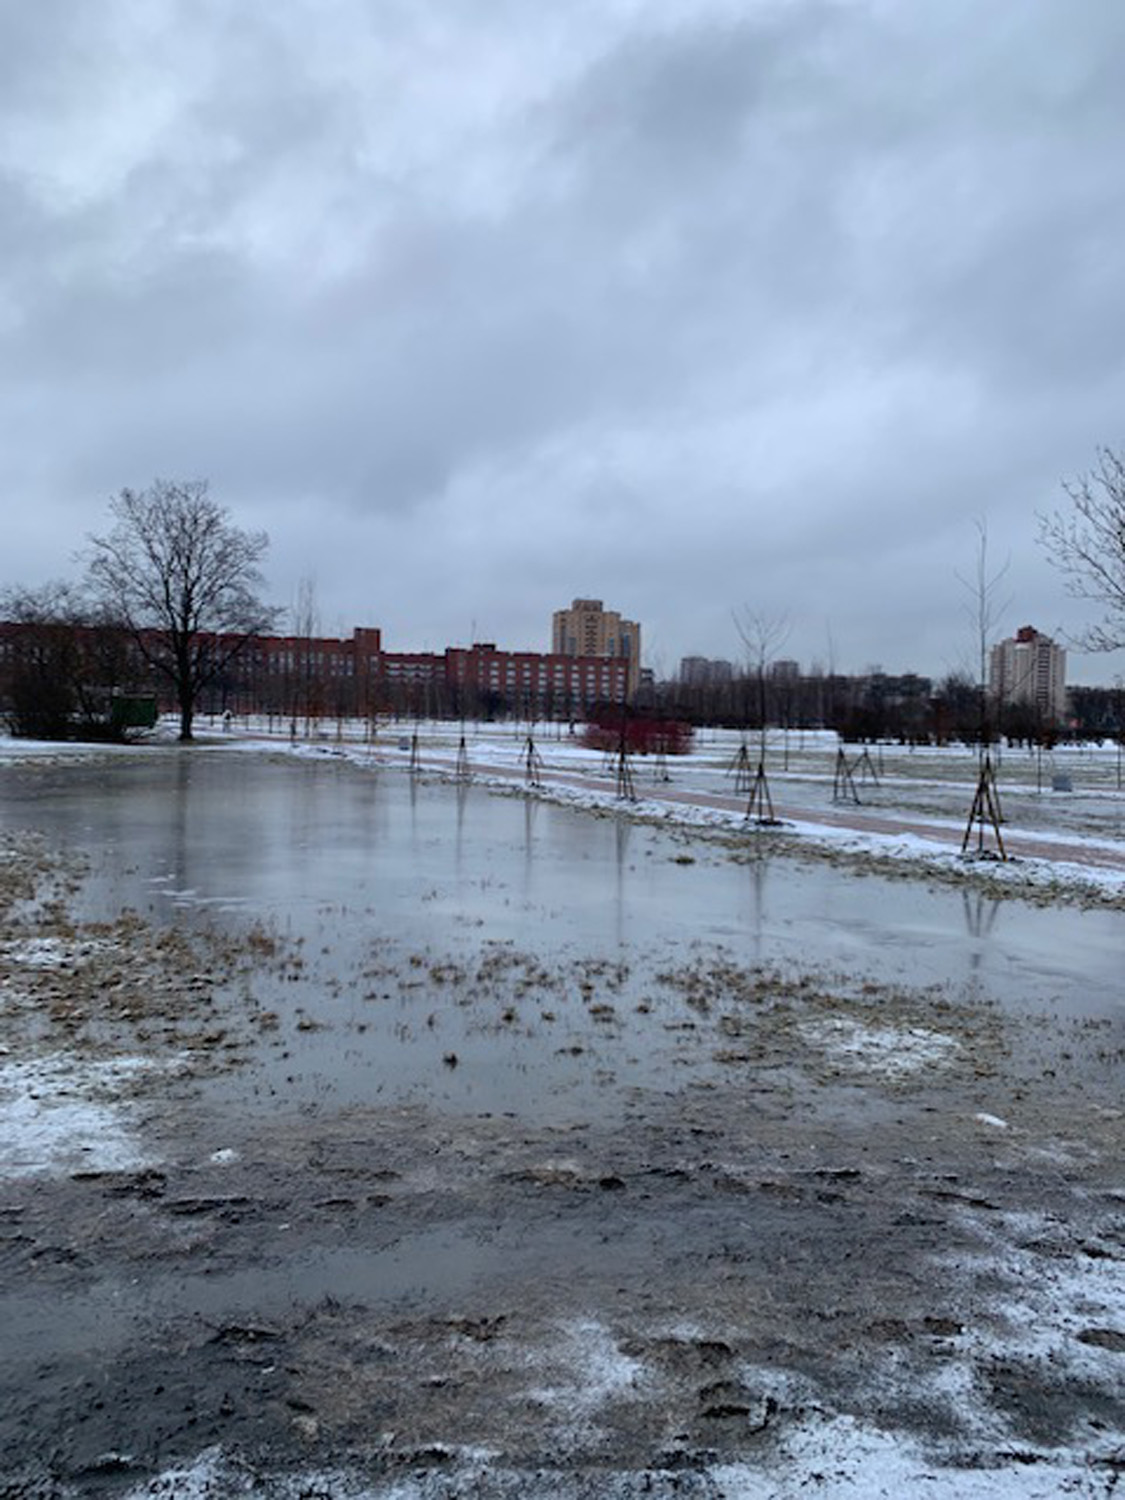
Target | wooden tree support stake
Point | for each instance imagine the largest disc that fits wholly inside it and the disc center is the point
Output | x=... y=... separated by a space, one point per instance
x=843 y=787
x=985 y=810
x=740 y=765
x=464 y=771
x=759 y=809
x=625 y=788
x=532 y=763
x=866 y=767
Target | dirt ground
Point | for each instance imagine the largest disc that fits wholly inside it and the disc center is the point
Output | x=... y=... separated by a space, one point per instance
x=879 y=1212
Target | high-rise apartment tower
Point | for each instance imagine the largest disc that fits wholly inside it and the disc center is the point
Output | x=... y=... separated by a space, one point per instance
x=588 y=629
x=1029 y=668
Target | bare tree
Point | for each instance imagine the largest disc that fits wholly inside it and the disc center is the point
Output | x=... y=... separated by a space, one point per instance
x=306 y=628
x=985 y=611
x=184 y=581
x=761 y=636
x=1087 y=544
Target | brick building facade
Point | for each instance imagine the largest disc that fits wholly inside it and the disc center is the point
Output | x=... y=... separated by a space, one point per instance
x=298 y=676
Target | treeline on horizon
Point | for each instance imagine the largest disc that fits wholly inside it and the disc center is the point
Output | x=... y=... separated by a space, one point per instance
x=69 y=672
x=171 y=608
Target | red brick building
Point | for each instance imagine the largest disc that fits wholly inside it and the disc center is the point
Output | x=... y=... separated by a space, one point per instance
x=327 y=676
x=297 y=676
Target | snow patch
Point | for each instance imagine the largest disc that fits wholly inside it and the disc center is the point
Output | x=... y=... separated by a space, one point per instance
x=836 y=1457
x=587 y=1370
x=895 y=1052
x=62 y=1114
x=1055 y=1289
x=50 y=952
x=831 y=1458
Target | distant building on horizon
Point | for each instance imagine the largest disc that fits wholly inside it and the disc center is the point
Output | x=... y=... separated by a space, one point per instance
x=588 y=629
x=1029 y=668
x=704 y=671
x=313 y=677
x=784 y=671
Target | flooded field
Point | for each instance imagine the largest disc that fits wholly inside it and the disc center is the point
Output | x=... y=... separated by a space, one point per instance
x=404 y=1139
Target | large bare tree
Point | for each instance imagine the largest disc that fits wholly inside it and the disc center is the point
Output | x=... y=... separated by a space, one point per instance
x=185 y=582
x=1086 y=542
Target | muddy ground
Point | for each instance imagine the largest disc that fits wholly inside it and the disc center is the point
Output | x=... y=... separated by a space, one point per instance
x=875 y=1211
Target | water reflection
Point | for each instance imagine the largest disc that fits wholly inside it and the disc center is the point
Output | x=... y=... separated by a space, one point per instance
x=279 y=839
x=981 y=912
x=530 y=808
x=757 y=865
x=461 y=798
x=621 y=837
x=180 y=794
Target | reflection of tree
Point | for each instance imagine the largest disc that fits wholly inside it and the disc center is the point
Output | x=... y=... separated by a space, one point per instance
x=980 y=912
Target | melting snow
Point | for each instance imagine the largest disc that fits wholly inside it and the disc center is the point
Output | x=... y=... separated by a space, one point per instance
x=60 y=1114
x=49 y=952
x=893 y=1051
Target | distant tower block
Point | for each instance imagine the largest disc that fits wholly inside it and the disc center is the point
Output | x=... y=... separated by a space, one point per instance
x=1029 y=669
x=588 y=629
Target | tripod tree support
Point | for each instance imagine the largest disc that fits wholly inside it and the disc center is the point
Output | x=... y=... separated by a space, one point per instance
x=625 y=788
x=866 y=767
x=985 y=813
x=843 y=786
x=759 y=808
x=532 y=763
x=740 y=767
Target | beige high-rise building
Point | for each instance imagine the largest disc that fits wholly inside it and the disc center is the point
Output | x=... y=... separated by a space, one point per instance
x=588 y=629
x=1029 y=668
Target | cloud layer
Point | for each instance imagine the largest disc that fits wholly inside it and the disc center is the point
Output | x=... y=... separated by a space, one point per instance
x=689 y=305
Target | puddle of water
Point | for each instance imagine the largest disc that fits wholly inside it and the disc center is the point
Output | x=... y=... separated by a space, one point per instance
x=432 y=1268
x=369 y=869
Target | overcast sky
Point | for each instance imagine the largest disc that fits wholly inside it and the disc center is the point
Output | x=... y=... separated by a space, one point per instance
x=688 y=305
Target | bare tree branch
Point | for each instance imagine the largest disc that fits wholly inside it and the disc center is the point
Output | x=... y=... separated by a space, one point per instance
x=1087 y=544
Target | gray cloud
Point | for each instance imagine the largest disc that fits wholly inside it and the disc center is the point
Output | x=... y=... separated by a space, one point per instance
x=687 y=305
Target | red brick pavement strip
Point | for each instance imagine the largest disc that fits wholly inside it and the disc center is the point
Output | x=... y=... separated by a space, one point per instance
x=946 y=836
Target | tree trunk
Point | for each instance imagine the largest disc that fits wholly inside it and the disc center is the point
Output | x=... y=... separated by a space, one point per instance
x=187 y=714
